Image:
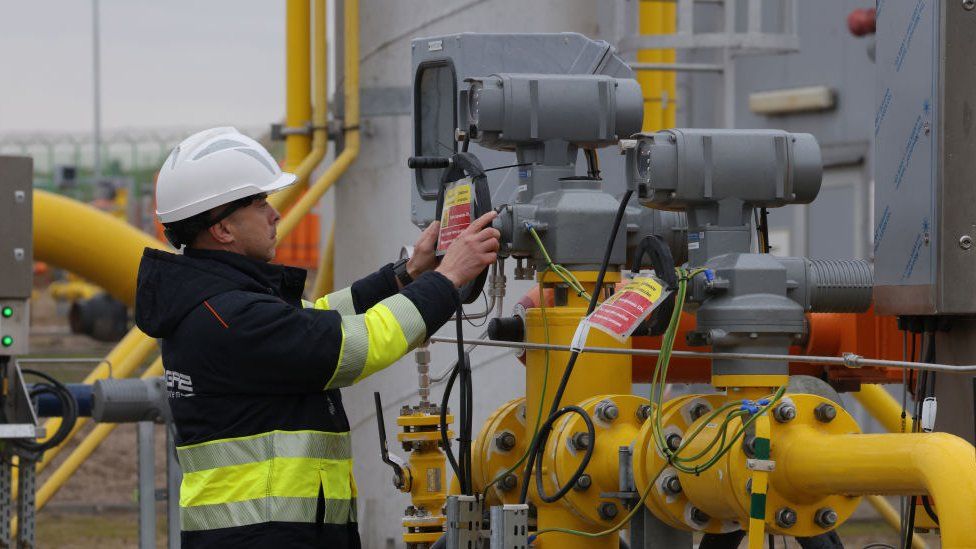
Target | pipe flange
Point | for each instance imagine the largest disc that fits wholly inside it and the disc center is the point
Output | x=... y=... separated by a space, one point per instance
x=669 y=504
x=561 y=457
x=491 y=460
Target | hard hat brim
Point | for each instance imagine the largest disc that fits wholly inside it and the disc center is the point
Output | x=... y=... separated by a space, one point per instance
x=283 y=181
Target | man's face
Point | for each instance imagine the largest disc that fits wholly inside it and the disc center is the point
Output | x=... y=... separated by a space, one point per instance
x=253 y=227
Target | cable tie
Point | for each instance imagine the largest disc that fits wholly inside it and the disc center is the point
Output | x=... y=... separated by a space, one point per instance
x=709 y=275
x=763 y=402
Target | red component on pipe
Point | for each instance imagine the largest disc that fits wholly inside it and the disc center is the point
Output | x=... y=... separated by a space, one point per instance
x=830 y=334
x=861 y=22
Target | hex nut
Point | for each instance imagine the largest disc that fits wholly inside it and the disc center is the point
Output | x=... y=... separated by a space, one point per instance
x=508 y=482
x=784 y=412
x=643 y=412
x=785 y=517
x=607 y=510
x=583 y=483
x=505 y=441
x=699 y=516
x=673 y=441
x=698 y=410
x=826 y=517
x=825 y=412
x=580 y=441
x=607 y=411
x=672 y=485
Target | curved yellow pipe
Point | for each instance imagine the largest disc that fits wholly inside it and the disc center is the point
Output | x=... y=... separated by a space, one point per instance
x=938 y=464
x=884 y=408
x=351 y=145
x=94 y=245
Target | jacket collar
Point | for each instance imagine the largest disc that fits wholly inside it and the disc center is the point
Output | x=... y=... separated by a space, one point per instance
x=286 y=282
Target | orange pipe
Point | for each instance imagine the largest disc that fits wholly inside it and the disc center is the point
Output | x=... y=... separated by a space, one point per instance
x=830 y=334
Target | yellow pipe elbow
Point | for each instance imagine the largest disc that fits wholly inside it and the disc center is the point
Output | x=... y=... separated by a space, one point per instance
x=938 y=464
x=107 y=253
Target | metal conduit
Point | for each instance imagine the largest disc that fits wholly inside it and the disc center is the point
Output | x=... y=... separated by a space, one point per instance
x=850 y=360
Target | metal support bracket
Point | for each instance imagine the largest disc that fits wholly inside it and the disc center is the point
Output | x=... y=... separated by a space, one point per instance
x=509 y=526
x=766 y=465
x=463 y=522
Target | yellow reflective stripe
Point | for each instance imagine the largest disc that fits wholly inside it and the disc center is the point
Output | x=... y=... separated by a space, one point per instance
x=306 y=304
x=376 y=339
x=283 y=477
x=262 y=447
x=256 y=511
x=339 y=301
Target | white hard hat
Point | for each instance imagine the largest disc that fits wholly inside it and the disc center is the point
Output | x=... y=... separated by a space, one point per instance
x=212 y=168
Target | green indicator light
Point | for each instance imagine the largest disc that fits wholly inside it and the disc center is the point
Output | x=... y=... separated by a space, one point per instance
x=8 y=312
x=7 y=341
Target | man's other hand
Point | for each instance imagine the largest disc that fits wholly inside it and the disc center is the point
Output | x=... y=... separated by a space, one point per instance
x=423 y=258
x=473 y=250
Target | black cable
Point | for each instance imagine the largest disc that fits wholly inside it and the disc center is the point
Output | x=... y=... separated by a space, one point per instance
x=544 y=434
x=445 y=442
x=764 y=219
x=771 y=539
x=69 y=411
x=534 y=448
x=878 y=546
x=920 y=395
x=508 y=166
x=464 y=421
x=929 y=510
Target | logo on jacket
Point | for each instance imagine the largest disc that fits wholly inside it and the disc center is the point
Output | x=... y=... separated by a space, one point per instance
x=178 y=385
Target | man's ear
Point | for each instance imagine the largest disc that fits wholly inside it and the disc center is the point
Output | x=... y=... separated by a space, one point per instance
x=220 y=233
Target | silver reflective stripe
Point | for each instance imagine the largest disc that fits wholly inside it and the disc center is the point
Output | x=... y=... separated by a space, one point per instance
x=340 y=301
x=355 y=347
x=238 y=451
x=269 y=509
x=406 y=313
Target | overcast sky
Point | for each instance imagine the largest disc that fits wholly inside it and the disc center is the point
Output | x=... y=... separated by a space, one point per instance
x=176 y=63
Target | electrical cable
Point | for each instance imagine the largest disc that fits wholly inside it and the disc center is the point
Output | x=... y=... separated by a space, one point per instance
x=544 y=435
x=920 y=395
x=508 y=166
x=464 y=420
x=574 y=355
x=445 y=441
x=69 y=411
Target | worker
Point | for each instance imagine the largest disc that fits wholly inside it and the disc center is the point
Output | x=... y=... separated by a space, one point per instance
x=253 y=371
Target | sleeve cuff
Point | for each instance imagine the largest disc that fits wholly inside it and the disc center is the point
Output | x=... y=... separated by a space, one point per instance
x=435 y=297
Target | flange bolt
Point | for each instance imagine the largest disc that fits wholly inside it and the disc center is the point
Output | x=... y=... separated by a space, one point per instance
x=699 y=516
x=607 y=411
x=825 y=517
x=580 y=441
x=508 y=482
x=698 y=410
x=785 y=517
x=672 y=485
x=607 y=510
x=784 y=412
x=643 y=412
x=673 y=441
x=583 y=483
x=505 y=441
x=825 y=412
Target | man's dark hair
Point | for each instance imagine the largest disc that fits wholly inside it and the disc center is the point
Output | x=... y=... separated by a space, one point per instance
x=185 y=231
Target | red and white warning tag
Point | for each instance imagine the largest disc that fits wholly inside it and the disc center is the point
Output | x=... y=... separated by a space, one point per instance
x=457 y=213
x=620 y=315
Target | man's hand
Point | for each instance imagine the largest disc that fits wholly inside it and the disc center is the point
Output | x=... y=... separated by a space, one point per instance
x=423 y=258
x=473 y=250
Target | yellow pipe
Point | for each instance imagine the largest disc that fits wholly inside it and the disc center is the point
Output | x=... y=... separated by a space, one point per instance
x=938 y=464
x=325 y=275
x=884 y=408
x=84 y=450
x=72 y=290
x=298 y=81
x=92 y=244
x=890 y=516
x=320 y=114
x=351 y=146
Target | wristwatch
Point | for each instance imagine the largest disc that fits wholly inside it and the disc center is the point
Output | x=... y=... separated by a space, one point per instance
x=400 y=270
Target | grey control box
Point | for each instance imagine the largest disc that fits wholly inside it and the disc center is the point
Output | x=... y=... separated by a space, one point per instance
x=16 y=252
x=925 y=197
